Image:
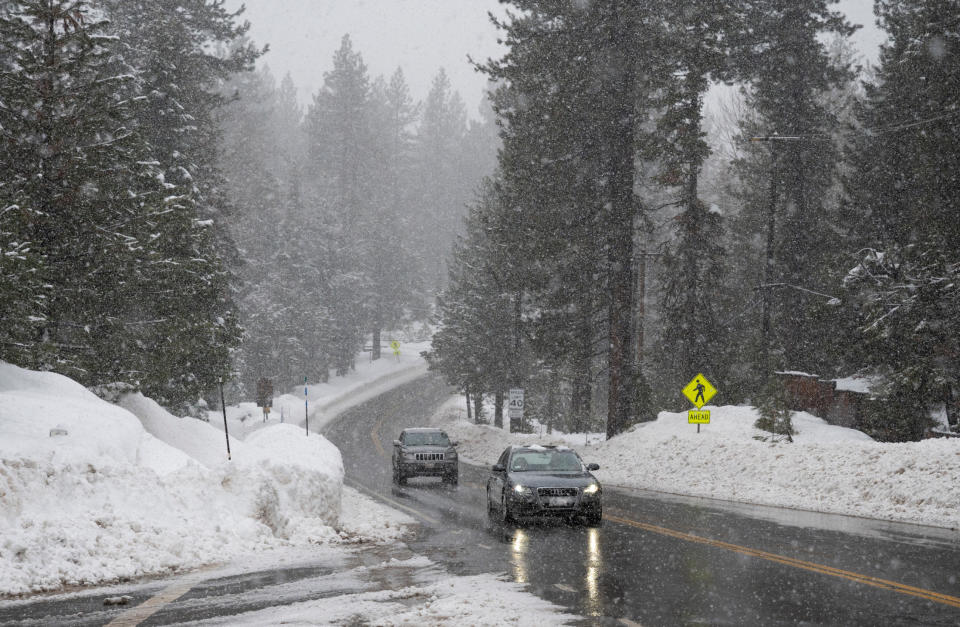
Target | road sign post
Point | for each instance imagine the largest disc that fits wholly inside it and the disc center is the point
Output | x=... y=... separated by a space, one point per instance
x=515 y=409
x=395 y=345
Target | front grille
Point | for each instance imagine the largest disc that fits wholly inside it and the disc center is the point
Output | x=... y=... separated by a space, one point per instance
x=429 y=457
x=557 y=491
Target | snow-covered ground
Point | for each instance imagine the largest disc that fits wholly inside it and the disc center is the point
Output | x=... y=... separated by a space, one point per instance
x=97 y=493
x=825 y=469
x=92 y=492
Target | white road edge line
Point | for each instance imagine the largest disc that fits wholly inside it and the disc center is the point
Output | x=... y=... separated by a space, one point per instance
x=372 y=494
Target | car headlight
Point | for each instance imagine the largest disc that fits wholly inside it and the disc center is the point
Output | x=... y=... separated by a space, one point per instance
x=452 y=455
x=593 y=488
x=523 y=490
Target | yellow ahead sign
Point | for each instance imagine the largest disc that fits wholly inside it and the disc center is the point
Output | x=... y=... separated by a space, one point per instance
x=395 y=345
x=699 y=391
x=698 y=417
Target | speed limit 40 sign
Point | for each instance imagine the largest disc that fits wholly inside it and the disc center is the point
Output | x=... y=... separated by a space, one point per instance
x=515 y=404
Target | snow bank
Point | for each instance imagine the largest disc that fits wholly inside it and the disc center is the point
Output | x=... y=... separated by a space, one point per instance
x=826 y=469
x=90 y=493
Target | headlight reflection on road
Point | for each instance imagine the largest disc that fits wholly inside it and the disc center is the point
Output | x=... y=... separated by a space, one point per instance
x=518 y=555
x=594 y=563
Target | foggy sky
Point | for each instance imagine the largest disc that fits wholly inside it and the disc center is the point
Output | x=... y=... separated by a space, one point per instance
x=420 y=36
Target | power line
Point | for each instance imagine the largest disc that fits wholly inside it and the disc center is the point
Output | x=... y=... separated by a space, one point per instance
x=872 y=131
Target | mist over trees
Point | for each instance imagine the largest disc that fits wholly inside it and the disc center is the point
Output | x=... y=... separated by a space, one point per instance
x=823 y=246
x=345 y=211
x=171 y=217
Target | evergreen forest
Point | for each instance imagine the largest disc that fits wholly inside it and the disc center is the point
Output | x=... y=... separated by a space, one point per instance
x=600 y=230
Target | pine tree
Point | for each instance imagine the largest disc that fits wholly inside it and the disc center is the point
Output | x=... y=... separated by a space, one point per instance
x=790 y=72
x=443 y=195
x=472 y=346
x=904 y=197
x=390 y=258
x=79 y=187
x=173 y=46
x=692 y=280
x=341 y=160
x=571 y=101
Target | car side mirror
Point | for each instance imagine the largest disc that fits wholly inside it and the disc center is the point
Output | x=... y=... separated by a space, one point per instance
x=593 y=466
x=455 y=443
x=499 y=468
x=397 y=443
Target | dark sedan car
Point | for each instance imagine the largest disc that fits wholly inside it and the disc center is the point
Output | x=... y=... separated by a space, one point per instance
x=425 y=452
x=543 y=481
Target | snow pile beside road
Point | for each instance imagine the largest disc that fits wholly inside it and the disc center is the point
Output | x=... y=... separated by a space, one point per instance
x=88 y=494
x=826 y=469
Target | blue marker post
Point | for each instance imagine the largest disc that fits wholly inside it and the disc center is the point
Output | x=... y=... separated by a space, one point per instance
x=306 y=407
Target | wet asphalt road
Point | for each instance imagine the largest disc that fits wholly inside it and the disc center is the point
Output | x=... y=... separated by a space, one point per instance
x=665 y=560
x=656 y=560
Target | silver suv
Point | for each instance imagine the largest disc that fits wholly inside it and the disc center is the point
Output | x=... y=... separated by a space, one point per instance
x=425 y=452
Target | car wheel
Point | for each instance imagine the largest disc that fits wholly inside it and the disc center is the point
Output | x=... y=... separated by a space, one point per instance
x=490 y=508
x=505 y=515
x=396 y=475
x=453 y=478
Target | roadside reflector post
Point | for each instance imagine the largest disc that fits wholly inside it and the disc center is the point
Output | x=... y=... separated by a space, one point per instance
x=306 y=407
x=223 y=406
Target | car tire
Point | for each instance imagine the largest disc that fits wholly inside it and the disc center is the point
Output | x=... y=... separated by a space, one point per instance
x=504 y=513
x=595 y=518
x=491 y=510
x=453 y=478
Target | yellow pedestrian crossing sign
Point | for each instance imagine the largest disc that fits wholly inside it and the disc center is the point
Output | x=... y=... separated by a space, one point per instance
x=699 y=391
x=395 y=345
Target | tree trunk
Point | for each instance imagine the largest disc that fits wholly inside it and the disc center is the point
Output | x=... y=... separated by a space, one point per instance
x=375 y=346
x=478 y=408
x=619 y=145
x=466 y=394
x=581 y=396
x=498 y=409
x=768 y=265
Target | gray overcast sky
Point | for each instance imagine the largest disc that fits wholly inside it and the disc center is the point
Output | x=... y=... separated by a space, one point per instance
x=419 y=36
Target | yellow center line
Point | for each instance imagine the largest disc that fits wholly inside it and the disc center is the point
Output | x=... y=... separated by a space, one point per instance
x=796 y=563
x=136 y=615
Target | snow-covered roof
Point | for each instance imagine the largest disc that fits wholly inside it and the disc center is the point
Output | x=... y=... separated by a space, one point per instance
x=859 y=384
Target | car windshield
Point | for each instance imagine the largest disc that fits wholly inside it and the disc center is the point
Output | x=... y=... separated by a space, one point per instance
x=427 y=438
x=533 y=461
